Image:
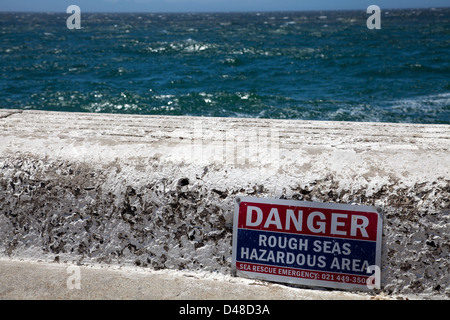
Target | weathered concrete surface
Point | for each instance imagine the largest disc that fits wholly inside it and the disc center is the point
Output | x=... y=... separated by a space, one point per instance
x=39 y=280
x=137 y=190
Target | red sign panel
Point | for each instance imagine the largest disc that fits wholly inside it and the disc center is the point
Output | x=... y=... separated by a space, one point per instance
x=309 y=243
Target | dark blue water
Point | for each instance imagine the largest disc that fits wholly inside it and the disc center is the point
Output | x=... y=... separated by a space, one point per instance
x=284 y=65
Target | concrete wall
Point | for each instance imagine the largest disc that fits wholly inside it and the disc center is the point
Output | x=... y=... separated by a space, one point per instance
x=158 y=192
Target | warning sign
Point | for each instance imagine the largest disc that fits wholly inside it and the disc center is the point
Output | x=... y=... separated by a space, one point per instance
x=308 y=243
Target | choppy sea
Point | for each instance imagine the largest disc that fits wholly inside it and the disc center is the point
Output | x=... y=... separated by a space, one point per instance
x=283 y=65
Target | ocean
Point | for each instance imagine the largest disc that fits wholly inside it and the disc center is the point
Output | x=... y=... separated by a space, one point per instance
x=280 y=65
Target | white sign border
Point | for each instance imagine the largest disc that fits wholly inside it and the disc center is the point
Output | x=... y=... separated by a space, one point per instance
x=309 y=204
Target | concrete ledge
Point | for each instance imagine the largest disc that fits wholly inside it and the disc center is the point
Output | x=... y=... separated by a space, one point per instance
x=157 y=192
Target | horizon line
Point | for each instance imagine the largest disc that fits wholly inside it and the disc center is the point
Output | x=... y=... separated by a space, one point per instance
x=230 y=11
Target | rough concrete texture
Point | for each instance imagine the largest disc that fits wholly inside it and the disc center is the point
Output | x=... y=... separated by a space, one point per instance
x=157 y=192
